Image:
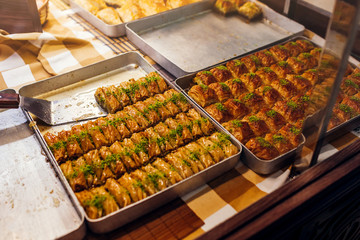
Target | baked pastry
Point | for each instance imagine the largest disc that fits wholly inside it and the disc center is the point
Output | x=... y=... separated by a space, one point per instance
x=292 y=133
x=130 y=11
x=221 y=73
x=236 y=108
x=109 y=16
x=344 y=112
x=250 y=11
x=239 y=129
x=251 y=81
x=312 y=75
x=353 y=102
x=266 y=58
x=280 y=142
x=237 y=87
x=290 y=110
x=203 y=95
x=257 y=125
x=269 y=94
x=294 y=48
x=306 y=45
x=204 y=77
x=222 y=91
x=349 y=87
x=252 y=101
x=266 y=74
x=285 y=88
x=237 y=67
x=280 y=52
x=225 y=6
x=115 y=3
x=296 y=64
x=262 y=148
x=301 y=83
x=273 y=119
x=151 y=7
x=309 y=60
x=281 y=68
x=219 y=112
x=252 y=62
x=91 y=6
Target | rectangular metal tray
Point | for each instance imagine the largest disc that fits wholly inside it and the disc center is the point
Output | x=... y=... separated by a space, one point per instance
x=116 y=30
x=97 y=74
x=254 y=163
x=180 y=39
x=264 y=166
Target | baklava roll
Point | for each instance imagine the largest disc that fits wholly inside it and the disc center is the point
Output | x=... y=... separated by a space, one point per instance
x=252 y=62
x=73 y=148
x=344 y=112
x=86 y=198
x=269 y=94
x=169 y=170
x=237 y=87
x=143 y=179
x=193 y=126
x=120 y=194
x=125 y=155
x=257 y=125
x=157 y=177
x=154 y=76
x=119 y=124
x=134 y=188
x=290 y=110
x=97 y=136
x=109 y=16
x=181 y=133
x=192 y=159
x=273 y=119
x=349 y=87
x=334 y=121
x=225 y=143
x=292 y=133
x=286 y=89
x=266 y=58
x=237 y=67
x=156 y=145
x=214 y=149
x=251 y=81
x=109 y=131
x=205 y=125
x=141 y=147
x=203 y=95
x=148 y=111
x=262 y=148
x=312 y=75
x=219 y=112
x=113 y=161
x=168 y=139
x=301 y=83
x=159 y=107
x=316 y=53
x=182 y=166
x=75 y=178
x=221 y=73
x=103 y=200
x=222 y=91
x=83 y=137
x=199 y=153
x=353 y=102
x=240 y=130
x=129 y=122
x=280 y=142
x=309 y=60
x=306 y=45
x=204 y=77
x=250 y=11
x=280 y=52
x=267 y=75
x=131 y=88
x=294 y=48
x=168 y=104
x=107 y=100
x=281 y=68
x=137 y=116
x=296 y=65
x=101 y=171
x=252 y=101
x=178 y=98
x=236 y=108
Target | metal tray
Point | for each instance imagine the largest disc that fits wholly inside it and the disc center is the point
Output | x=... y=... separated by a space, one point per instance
x=34 y=202
x=97 y=74
x=254 y=163
x=178 y=40
x=116 y=30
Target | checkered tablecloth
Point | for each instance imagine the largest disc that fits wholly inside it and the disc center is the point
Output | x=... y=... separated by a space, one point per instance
x=68 y=42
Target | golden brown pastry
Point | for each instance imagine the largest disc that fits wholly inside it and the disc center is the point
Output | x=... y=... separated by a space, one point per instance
x=237 y=67
x=306 y=45
x=294 y=48
x=301 y=83
x=252 y=62
x=279 y=142
x=281 y=68
x=349 y=87
x=236 y=108
x=222 y=91
x=252 y=101
x=204 y=77
x=296 y=65
x=273 y=119
x=262 y=148
x=203 y=95
x=344 y=112
x=269 y=94
x=266 y=58
x=109 y=16
x=309 y=60
x=267 y=75
x=115 y=3
x=130 y=11
x=251 y=81
x=240 y=129
x=250 y=11
x=151 y=7
x=91 y=6
x=219 y=112
x=312 y=75
x=280 y=52
x=225 y=6
x=285 y=88
x=221 y=73
x=257 y=125
x=292 y=133
x=353 y=102
x=237 y=87
x=290 y=110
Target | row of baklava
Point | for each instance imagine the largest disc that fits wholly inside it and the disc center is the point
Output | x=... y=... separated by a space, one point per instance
x=94 y=167
x=114 y=98
x=82 y=138
x=156 y=175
